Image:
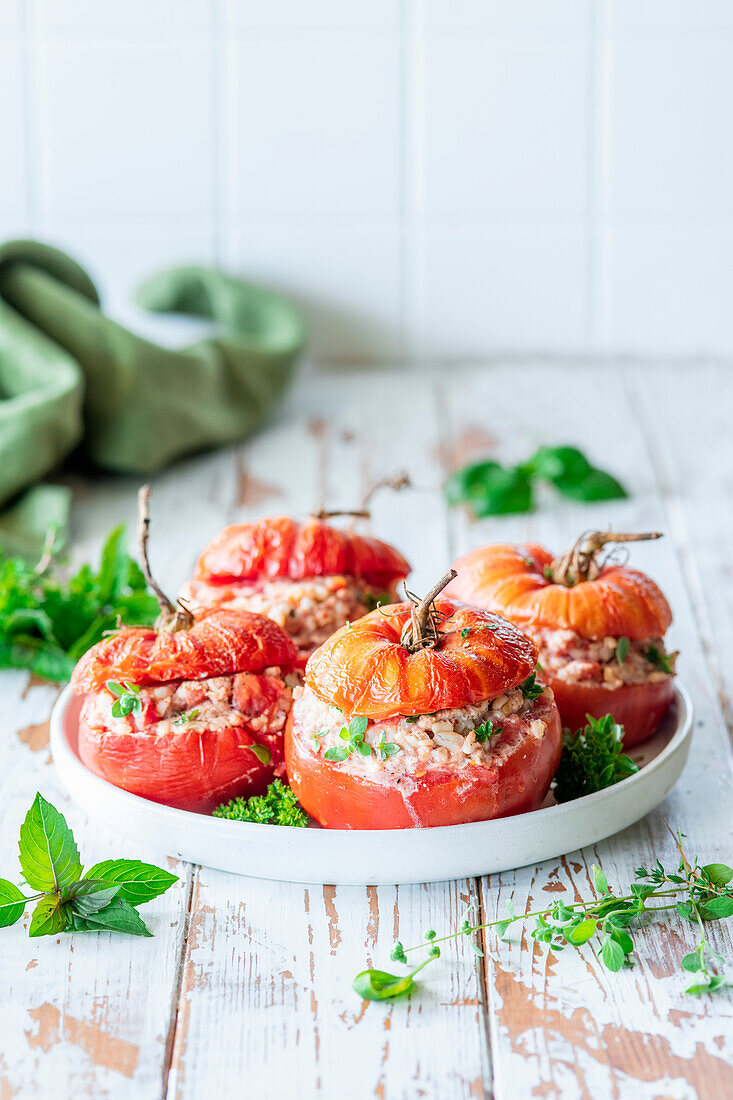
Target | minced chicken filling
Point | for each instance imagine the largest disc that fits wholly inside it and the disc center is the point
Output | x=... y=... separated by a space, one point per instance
x=609 y=661
x=310 y=610
x=259 y=701
x=466 y=735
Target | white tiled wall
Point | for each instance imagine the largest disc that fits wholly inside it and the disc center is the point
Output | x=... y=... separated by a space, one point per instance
x=429 y=178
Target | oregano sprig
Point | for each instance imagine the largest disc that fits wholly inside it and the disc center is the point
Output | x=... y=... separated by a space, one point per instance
x=696 y=893
x=66 y=899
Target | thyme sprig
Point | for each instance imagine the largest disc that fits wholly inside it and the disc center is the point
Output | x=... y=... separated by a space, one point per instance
x=696 y=893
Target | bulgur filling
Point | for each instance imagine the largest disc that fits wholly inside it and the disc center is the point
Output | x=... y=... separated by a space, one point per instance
x=609 y=661
x=259 y=701
x=310 y=610
x=411 y=744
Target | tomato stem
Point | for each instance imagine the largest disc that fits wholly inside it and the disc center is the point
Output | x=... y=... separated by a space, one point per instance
x=396 y=482
x=580 y=562
x=421 y=632
x=172 y=617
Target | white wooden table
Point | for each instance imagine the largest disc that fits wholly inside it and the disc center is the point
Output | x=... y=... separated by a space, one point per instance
x=245 y=988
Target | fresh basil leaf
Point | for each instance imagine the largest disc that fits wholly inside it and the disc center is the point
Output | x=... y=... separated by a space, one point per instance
x=138 y=882
x=720 y=874
x=120 y=916
x=88 y=896
x=49 y=917
x=559 y=464
x=490 y=489
x=597 y=485
x=49 y=857
x=12 y=903
x=377 y=985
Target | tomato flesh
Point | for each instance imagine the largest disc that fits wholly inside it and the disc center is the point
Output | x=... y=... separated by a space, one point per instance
x=639 y=708
x=340 y=799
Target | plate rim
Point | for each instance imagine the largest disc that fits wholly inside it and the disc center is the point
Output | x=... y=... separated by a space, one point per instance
x=65 y=758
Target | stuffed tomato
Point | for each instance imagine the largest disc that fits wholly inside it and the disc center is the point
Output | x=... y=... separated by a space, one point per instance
x=599 y=627
x=189 y=718
x=310 y=578
x=421 y=716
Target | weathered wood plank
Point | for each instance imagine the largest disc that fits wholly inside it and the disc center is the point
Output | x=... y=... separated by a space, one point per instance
x=269 y=965
x=566 y=1027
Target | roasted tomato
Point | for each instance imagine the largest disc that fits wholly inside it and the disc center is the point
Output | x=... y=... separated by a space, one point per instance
x=421 y=716
x=308 y=577
x=191 y=718
x=599 y=626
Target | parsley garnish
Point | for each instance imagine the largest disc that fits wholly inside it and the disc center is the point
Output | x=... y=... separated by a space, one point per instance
x=660 y=660
x=530 y=689
x=48 y=620
x=67 y=900
x=465 y=632
x=278 y=806
x=592 y=759
x=486 y=731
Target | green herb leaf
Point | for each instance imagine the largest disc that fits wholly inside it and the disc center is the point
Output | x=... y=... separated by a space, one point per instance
x=336 y=754
x=120 y=916
x=582 y=932
x=49 y=917
x=486 y=731
x=377 y=985
x=592 y=759
x=599 y=880
x=358 y=726
x=12 y=903
x=716 y=908
x=720 y=874
x=49 y=857
x=138 y=882
x=660 y=660
x=530 y=688
x=612 y=954
x=262 y=753
x=88 y=896
x=692 y=962
x=622 y=650
x=278 y=806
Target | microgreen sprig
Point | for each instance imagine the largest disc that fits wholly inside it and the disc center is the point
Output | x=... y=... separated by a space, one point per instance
x=662 y=661
x=353 y=736
x=706 y=895
x=386 y=748
x=486 y=731
x=127 y=699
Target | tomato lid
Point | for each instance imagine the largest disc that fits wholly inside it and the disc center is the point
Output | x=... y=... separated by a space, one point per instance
x=365 y=668
x=220 y=643
x=280 y=546
x=516 y=581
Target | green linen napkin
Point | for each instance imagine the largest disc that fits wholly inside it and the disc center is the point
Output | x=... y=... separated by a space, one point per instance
x=69 y=375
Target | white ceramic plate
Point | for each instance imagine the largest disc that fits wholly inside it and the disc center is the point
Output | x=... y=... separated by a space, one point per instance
x=380 y=856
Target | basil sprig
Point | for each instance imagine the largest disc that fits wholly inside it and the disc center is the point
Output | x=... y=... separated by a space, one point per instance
x=490 y=489
x=67 y=900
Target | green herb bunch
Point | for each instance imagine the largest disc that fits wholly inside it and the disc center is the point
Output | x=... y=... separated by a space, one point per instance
x=697 y=894
x=354 y=742
x=66 y=899
x=48 y=622
x=592 y=759
x=278 y=806
x=490 y=489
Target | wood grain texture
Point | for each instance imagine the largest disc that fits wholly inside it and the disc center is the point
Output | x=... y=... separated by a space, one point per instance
x=246 y=986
